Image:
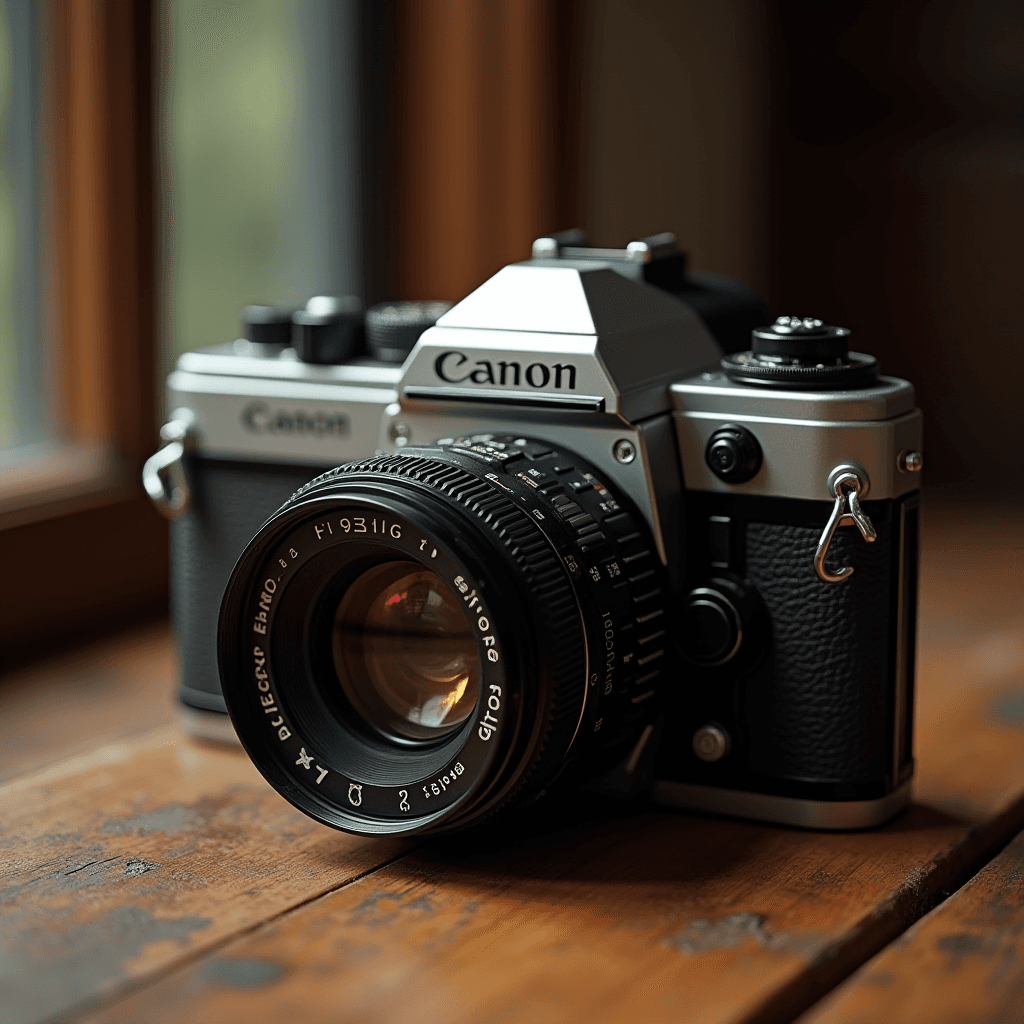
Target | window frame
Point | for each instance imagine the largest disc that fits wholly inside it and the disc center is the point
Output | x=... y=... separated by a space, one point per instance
x=93 y=554
x=86 y=547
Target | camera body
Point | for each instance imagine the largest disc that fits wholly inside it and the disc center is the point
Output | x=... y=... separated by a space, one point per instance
x=250 y=424
x=764 y=681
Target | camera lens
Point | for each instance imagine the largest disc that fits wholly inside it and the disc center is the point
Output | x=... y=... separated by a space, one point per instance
x=405 y=653
x=417 y=642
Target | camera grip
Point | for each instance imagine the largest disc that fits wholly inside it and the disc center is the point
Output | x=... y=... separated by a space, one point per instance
x=824 y=710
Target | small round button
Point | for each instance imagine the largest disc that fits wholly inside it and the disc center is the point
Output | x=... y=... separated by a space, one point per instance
x=733 y=454
x=910 y=462
x=328 y=330
x=267 y=326
x=711 y=742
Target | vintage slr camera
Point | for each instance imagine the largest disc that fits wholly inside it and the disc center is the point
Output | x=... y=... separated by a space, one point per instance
x=567 y=542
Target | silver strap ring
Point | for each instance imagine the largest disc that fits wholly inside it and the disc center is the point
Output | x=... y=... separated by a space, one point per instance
x=848 y=484
x=163 y=474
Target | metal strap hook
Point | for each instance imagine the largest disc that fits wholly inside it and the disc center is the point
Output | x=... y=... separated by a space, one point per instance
x=847 y=484
x=163 y=475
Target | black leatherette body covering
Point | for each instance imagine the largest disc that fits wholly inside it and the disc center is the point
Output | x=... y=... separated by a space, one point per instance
x=822 y=711
x=230 y=502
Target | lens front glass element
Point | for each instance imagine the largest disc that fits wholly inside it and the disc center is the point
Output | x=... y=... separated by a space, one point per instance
x=405 y=653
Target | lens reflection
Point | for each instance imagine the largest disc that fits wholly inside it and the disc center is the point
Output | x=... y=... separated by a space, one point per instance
x=405 y=653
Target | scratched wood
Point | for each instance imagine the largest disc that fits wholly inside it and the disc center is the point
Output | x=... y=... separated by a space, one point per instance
x=119 y=863
x=961 y=964
x=659 y=916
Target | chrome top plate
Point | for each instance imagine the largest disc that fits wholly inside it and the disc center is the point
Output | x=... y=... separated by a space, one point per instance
x=713 y=392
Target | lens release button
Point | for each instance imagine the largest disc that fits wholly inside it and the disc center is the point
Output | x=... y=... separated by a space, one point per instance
x=711 y=627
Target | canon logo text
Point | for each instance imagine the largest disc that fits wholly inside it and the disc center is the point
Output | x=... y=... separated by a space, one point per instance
x=259 y=418
x=456 y=368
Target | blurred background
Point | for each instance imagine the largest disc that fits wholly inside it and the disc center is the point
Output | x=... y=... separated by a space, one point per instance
x=164 y=163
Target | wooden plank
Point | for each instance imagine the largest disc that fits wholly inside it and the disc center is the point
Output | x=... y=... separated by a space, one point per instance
x=120 y=863
x=657 y=916
x=72 y=701
x=960 y=964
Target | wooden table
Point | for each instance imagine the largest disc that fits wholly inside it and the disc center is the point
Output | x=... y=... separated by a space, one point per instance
x=149 y=878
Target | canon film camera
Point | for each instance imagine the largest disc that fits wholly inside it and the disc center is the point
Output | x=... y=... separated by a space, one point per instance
x=566 y=542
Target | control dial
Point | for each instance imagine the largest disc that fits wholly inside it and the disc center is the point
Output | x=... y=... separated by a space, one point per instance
x=266 y=328
x=801 y=352
x=328 y=330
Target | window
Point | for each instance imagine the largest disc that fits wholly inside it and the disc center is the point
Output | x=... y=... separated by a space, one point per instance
x=296 y=145
x=25 y=415
x=262 y=151
x=76 y=533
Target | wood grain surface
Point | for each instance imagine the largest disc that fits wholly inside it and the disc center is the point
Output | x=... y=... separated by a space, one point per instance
x=961 y=964
x=658 y=916
x=121 y=862
x=72 y=701
x=161 y=881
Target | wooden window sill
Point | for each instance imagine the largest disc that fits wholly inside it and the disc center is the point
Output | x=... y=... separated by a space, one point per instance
x=50 y=480
x=90 y=560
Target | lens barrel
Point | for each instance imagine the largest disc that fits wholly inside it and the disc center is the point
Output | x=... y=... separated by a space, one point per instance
x=414 y=642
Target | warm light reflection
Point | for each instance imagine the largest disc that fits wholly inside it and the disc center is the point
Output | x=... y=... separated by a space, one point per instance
x=405 y=651
x=445 y=704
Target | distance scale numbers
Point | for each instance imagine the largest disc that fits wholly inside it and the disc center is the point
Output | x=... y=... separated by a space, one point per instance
x=434 y=788
x=442 y=782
